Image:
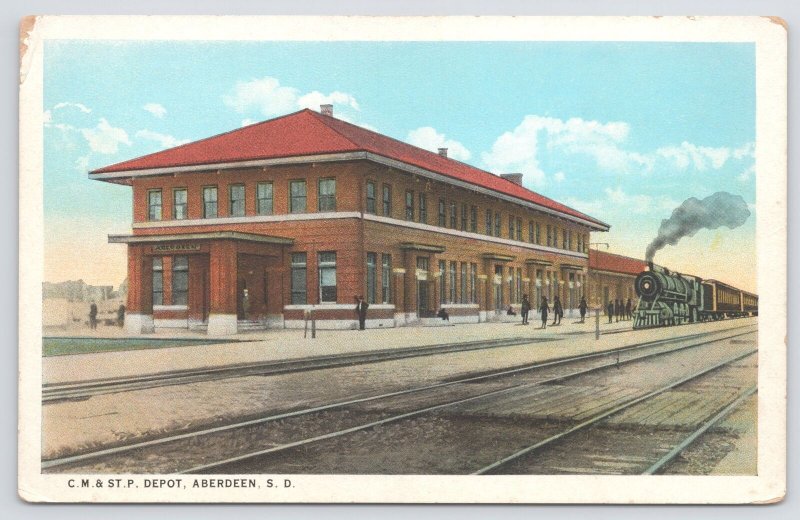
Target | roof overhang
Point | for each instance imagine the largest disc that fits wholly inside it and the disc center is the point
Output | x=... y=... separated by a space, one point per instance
x=572 y=267
x=534 y=261
x=124 y=176
x=414 y=246
x=184 y=237
x=498 y=257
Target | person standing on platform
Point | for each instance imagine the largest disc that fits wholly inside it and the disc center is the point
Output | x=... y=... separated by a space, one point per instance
x=525 y=308
x=617 y=309
x=543 y=310
x=558 y=312
x=582 y=308
x=629 y=309
x=121 y=315
x=93 y=316
x=361 y=311
x=610 y=311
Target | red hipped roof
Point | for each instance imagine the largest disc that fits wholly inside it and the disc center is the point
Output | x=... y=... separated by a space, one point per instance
x=310 y=133
x=600 y=261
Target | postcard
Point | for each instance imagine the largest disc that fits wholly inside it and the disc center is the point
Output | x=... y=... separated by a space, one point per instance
x=402 y=260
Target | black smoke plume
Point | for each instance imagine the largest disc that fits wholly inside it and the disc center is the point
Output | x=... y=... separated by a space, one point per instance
x=719 y=209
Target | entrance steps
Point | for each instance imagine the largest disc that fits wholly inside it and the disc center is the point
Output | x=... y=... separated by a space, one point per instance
x=248 y=325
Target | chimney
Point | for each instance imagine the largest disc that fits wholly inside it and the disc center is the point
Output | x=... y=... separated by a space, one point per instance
x=443 y=152
x=516 y=178
x=326 y=110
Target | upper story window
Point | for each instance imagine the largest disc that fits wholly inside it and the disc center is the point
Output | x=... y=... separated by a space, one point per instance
x=530 y=232
x=327 y=195
x=297 y=196
x=569 y=240
x=488 y=222
x=236 y=206
x=538 y=233
x=179 y=205
x=519 y=229
x=511 y=228
x=264 y=198
x=327 y=277
x=423 y=208
x=442 y=213
x=210 y=202
x=473 y=219
x=409 y=205
x=387 y=200
x=564 y=239
x=370 y=197
x=580 y=242
x=154 y=205
x=453 y=216
x=549 y=236
x=464 y=211
x=497 y=224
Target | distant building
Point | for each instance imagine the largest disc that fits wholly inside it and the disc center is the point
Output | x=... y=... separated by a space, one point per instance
x=77 y=291
x=611 y=277
x=257 y=226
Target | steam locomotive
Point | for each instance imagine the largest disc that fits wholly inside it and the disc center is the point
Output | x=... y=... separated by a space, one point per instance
x=667 y=298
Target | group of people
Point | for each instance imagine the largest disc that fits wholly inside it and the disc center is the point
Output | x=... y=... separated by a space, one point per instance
x=93 y=316
x=620 y=310
x=544 y=310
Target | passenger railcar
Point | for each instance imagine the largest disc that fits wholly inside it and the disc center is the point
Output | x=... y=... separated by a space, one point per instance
x=667 y=298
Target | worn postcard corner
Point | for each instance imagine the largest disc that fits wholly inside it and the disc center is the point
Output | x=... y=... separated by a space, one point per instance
x=406 y=260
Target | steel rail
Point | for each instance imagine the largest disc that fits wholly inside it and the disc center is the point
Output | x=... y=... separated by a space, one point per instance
x=421 y=411
x=677 y=450
x=604 y=415
x=261 y=420
x=83 y=390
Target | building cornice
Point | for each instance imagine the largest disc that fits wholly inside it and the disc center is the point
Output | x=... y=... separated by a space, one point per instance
x=161 y=224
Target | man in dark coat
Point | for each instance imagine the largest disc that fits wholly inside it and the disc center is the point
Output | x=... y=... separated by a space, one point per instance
x=558 y=312
x=582 y=308
x=544 y=309
x=525 y=308
x=361 y=311
x=93 y=316
x=610 y=311
x=629 y=309
x=617 y=309
x=121 y=315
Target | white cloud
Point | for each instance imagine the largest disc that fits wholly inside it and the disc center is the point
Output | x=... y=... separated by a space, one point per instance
x=559 y=177
x=700 y=157
x=268 y=97
x=156 y=109
x=428 y=138
x=104 y=138
x=80 y=106
x=164 y=140
x=747 y=174
x=314 y=99
x=518 y=150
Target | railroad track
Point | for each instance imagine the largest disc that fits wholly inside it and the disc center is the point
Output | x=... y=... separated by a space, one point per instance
x=606 y=359
x=82 y=390
x=661 y=462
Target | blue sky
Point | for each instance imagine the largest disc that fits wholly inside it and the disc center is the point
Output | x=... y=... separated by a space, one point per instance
x=623 y=131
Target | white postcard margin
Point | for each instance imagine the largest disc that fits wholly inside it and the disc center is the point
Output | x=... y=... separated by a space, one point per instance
x=770 y=38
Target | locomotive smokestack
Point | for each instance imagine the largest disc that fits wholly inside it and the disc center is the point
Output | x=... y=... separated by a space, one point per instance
x=719 y=209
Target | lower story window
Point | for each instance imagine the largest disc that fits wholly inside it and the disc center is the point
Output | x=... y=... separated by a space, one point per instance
x=158 y=281
x=180 y=280
x=299 y=279
x=327 y=277
x=386 y=278
x=372 y=276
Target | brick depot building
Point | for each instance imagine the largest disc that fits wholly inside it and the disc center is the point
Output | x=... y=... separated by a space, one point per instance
x=258 y=226
x=611 y=278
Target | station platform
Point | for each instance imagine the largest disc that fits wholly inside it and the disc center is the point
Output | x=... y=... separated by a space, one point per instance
x=570 y=338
